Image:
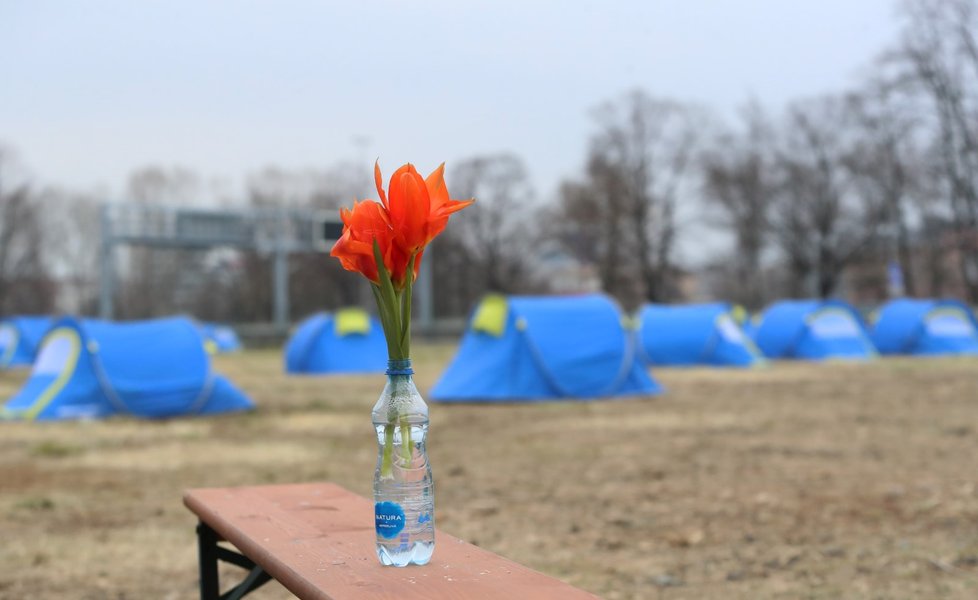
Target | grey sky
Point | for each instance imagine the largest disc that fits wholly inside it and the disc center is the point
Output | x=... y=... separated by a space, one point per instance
x=91 y=90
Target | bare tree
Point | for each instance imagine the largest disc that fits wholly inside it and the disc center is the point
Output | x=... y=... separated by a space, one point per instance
x=638 y=163
x=161 y=281
x=886 y=164
x=592 y=224
x=592 y=231
x=487 y=248
x=327 y=188
x=25 y=285
x=820 y=223
x=940 y=48
x=316 y=282
x=644 y=147
x=495 y=229
x=740 y=187
x=72 y=224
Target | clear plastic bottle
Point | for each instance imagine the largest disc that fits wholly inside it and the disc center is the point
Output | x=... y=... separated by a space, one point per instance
x=404 y=492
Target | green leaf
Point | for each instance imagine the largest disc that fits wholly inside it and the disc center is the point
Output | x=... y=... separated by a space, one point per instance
x=385 y=320
x=388 y=299
x=406 y=308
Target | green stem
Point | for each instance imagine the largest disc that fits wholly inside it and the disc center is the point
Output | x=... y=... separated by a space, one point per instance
x=385 y=319
x=395 y=314
x=406 y=308
x=407 y=450
x=387 y=463
x=388 y=302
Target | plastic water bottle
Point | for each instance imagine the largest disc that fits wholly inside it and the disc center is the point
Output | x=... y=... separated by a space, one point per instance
x=404 y=492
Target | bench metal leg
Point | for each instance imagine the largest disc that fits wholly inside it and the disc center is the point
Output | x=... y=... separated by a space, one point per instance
x=209 y=555
x=255 y=579
x=207 y=559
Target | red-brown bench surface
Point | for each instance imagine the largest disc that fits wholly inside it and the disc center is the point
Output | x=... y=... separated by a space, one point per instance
x=317 y=540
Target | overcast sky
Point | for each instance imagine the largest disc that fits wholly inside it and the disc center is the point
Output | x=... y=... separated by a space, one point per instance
x=91 y=90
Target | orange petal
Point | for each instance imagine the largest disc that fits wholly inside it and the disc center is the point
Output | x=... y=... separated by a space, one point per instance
x=395 y=178
x=379 y=182
x=339 y=249
x=346 y=214
x=417 y=263
x=453 y=206
x=437 y=189
x=439 y=218
x=372 y=222
x=409 y=208
x=350 y=253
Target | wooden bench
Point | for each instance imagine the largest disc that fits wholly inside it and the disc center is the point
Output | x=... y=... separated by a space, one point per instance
x=317 y=540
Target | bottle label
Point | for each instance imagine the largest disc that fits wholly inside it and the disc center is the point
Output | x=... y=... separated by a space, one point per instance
x=389 y=519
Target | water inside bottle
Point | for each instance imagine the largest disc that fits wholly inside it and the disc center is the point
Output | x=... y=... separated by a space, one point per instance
x=404 y=500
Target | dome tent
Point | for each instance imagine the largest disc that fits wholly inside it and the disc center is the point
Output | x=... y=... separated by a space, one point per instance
x=349 y=341
x=150 y=369
x=750 y=325
x=219 y=338
x=544 y=348
x=694 y=334
x=926 y=327
x=20 y=338
x=813 y=330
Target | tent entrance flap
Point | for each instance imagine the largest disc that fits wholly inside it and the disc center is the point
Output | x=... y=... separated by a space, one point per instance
x=949 y=322
x=58 y=360
x=833 y=323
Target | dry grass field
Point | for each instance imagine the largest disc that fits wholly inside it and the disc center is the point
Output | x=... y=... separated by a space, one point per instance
x=794 y=481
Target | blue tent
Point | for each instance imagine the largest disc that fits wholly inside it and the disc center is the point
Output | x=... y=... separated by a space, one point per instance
x=349 y=341
x=20 y=338
x=694 y=334
x=219 y=338
x=545 y=348
x=151 y=369
x=926 y=327
x=813 y=330
x=750 y=325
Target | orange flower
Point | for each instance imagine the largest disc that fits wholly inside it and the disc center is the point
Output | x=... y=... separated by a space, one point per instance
x=368 y=221
x=408 y=217
x=411 y=214
x=418 y=208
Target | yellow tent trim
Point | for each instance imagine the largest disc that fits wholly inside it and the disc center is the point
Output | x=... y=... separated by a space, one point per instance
x=58 y=384
x=352 y=320
x=491 y=315
x=739 y=314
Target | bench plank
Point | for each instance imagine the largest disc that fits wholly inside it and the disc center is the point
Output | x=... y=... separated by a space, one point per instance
x=317 y=540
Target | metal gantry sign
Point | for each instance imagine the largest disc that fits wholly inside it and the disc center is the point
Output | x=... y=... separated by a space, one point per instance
x=278 y=232
x=269 y=231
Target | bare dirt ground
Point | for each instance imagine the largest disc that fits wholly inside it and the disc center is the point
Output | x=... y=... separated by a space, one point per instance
x=794 y=481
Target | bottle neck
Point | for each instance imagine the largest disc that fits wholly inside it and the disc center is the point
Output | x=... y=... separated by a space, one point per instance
x=399 y=369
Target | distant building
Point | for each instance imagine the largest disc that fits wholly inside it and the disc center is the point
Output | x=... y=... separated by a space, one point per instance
x=934 y=269
x=563 y=273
